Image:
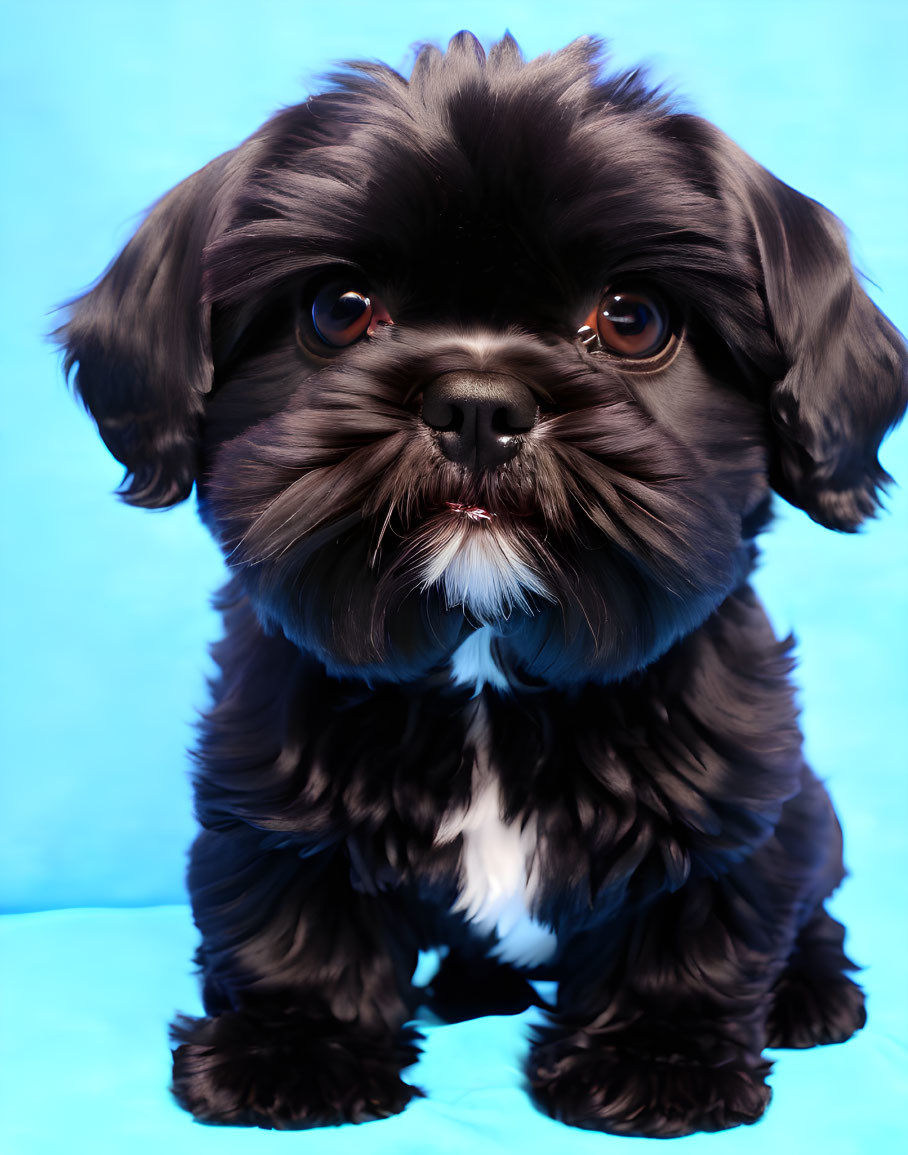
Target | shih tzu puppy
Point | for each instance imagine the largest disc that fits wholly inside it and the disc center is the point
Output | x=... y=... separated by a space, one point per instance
x=484 y=379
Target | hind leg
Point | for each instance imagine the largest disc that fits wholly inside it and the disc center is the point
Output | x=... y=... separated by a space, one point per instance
x=814 y=1000
x=468 y=986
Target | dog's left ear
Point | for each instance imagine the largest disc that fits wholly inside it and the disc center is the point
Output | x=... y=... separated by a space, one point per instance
x=846 y=382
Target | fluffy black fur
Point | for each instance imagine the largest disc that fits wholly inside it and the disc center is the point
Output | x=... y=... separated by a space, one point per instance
x=639 y=724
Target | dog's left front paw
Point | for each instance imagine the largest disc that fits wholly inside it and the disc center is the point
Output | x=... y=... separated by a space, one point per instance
x=607 y=1090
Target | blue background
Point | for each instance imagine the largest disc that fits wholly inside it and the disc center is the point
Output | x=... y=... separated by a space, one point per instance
x=104 y=619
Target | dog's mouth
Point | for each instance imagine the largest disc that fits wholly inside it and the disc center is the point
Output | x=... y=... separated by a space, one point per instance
x=473 y=513
x=477 y=556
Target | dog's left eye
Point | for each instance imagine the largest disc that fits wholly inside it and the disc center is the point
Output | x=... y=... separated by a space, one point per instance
x=631 y=323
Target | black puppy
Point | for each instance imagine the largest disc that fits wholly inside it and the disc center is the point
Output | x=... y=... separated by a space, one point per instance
x=483 y=379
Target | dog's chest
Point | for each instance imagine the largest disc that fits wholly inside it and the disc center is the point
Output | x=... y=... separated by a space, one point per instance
x=499 y=865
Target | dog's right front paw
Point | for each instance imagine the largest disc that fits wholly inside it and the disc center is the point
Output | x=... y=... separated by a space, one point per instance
x=288 y=1073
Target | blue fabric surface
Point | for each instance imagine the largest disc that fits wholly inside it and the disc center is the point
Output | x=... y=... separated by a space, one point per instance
x=107 y=104
x=87 y=994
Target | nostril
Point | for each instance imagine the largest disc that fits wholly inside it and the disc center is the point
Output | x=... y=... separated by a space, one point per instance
x=511 y=419
x=441 y=415
x=500 y=423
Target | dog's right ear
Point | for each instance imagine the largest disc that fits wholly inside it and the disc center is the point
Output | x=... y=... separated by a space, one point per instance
x=140 y=339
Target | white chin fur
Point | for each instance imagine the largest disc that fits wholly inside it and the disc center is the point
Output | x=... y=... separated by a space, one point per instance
x=482 y=569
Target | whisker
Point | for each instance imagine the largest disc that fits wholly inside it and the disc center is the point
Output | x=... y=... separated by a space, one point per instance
x=381 y=534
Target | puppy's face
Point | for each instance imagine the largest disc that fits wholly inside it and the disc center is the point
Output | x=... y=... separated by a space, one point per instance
x=506 y=346
x=485 y=391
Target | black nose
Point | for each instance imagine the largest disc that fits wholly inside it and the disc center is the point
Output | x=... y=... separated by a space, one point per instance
x=478 y=419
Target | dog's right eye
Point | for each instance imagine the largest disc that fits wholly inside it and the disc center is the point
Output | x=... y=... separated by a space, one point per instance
x=339 y=314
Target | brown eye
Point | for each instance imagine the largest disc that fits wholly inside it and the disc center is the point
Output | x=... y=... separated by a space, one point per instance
x=341 y=314
x=629 y=323
x=337 y=312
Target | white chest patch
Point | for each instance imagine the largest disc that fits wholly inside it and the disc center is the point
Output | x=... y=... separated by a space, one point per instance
x=498 y=867
x=473 y=663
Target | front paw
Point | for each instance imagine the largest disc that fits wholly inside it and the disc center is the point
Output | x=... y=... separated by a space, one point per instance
x=288 y=1073
x=607 y=1090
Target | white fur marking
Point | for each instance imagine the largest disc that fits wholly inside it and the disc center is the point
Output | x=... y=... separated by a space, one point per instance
x=483 y=569
x=472 y=662
x=498 y=872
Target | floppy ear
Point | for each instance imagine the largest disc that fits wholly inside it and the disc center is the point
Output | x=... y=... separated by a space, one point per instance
x=140 y=338
x=846 y=383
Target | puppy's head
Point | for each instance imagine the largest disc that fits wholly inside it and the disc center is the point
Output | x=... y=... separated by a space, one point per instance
x=508 y=344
